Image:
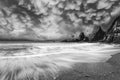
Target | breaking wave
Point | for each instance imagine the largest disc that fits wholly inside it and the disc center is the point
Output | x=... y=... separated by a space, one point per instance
x=45 y=61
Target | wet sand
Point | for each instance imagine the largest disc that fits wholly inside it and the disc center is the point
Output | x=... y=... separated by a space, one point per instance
x=109 y=70
x=56 y=61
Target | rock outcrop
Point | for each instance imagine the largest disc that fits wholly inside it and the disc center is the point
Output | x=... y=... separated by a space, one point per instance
x=82 y=37
x=112 y=35
x=99 y=36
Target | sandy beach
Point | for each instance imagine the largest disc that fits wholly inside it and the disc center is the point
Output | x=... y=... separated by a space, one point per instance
x=59 y=61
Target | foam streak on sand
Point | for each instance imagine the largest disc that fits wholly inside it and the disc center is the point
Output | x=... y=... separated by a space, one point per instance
x=46 y=60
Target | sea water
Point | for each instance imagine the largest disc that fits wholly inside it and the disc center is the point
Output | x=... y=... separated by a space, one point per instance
x=31 y=60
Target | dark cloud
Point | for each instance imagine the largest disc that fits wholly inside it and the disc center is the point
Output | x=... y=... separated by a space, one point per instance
x=55 y=19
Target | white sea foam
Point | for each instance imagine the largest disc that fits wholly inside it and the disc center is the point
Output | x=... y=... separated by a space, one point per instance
x=45 y=60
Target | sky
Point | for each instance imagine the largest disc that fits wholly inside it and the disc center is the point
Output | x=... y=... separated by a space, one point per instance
x=55 y=19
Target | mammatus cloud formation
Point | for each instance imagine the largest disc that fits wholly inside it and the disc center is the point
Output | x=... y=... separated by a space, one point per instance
x=55 y=19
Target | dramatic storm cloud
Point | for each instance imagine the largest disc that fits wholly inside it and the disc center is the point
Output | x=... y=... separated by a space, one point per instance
x=55 y=19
